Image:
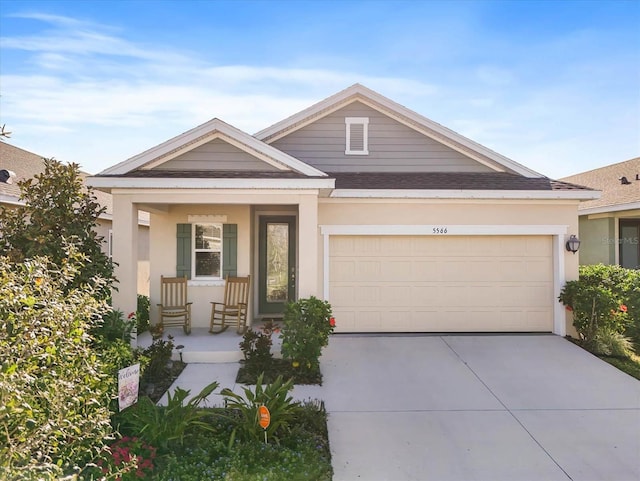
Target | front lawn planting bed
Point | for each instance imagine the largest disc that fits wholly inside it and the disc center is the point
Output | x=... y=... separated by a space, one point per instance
x=279 y=367
x=190 y=443
x=302 y=454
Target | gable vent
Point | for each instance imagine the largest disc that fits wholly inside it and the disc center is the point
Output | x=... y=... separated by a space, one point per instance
x=357 y=130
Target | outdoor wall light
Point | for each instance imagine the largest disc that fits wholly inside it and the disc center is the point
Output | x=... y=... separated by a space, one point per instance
x=573 y=244
x=6 y=176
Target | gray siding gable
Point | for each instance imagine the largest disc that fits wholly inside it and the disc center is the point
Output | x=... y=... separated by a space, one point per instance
x=393 y=146
x=216 y=155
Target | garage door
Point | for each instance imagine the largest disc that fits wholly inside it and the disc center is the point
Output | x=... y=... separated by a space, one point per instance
x=441 y=284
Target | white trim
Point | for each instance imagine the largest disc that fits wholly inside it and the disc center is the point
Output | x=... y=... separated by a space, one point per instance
x=558 y=232
x=205 y=282
x=197 y=183
x=10 y=199
x=609 y=208
x=456 y=229
x=207 y=219
x=559 y=314
x=349 y=122
x=194 y=250
x=460 y=194
x=204 y=133
x=360 y=92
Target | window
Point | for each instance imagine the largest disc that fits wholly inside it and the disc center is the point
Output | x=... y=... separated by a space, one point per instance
x=630 y=244
x=357 y=135
x=110 y=244
x=207 y=251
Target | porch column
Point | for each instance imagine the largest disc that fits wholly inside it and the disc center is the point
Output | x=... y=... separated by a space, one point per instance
x=308 y=246
x=125 y=253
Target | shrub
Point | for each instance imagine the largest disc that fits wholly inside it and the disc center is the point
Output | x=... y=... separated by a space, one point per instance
x=115 y=327
x=142 y=313
x=274 y=396
x=306 y=329
x=129 y=459
x=164 y=426
x=604 y=300
x=54 y=393
x=256 y=349
x=159 y=358
x=612 y=343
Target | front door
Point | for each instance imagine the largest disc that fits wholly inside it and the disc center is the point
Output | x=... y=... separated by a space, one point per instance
x=277 y=263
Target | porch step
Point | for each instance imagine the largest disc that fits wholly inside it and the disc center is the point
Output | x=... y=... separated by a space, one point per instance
x=200 y=346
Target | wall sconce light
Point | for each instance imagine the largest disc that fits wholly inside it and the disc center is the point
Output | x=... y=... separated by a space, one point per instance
x=573 y=244
x=7 y=176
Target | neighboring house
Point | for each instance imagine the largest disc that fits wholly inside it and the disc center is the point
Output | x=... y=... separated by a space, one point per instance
x=610 y=226
x=27 y=165
x=400 y=223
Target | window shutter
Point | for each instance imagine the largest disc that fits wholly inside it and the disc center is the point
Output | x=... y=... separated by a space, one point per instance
x=230 y=250
x=183 y=254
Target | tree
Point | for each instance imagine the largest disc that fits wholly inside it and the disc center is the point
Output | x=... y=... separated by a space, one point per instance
x=58 y=209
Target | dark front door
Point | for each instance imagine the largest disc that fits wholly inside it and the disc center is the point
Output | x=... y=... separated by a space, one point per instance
x=277 y=263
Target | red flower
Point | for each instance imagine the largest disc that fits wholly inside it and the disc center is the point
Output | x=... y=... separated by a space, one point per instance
x=131 y=314
x=332 y=322
x=623 y=308
x=569 y=308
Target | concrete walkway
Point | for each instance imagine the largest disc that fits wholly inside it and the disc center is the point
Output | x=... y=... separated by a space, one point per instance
x=469 y=408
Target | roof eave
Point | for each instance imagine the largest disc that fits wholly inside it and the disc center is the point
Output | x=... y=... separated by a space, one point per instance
x=102 y=183
x=463 y=194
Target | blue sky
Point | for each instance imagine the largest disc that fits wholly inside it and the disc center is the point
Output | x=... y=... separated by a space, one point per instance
x=554 y=85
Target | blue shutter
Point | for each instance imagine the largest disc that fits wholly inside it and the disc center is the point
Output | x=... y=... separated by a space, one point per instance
x=229 y=250
x=183 y=254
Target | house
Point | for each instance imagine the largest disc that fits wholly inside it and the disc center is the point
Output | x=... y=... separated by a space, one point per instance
x=27 y=165
x=610 y=226
x=400 y=223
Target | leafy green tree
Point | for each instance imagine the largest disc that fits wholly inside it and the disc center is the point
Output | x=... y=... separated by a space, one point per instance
x=57 y=206
x=54 y=392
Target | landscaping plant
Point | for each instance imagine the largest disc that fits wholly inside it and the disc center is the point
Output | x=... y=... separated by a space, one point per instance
x=166 y=426
x=605 y=302
x=58 y=211
x=256 y=349
x=54 y=391
x=306 y=329
x=274 y=396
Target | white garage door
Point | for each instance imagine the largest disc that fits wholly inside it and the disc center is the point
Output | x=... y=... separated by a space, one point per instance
x=441 y=284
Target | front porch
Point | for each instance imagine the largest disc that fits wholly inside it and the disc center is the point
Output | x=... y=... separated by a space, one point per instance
x=203 y=347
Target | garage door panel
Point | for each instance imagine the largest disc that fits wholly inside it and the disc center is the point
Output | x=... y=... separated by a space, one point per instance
x=439 y=284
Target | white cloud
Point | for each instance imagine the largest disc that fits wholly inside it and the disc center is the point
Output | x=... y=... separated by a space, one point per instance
x=96 y=97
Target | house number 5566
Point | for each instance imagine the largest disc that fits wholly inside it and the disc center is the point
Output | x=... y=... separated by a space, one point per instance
x=439 y=230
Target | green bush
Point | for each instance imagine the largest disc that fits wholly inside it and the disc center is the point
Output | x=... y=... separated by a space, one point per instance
x=306 y=329
x=158 y=355
x=114 y=327
x=604 y=300
x=274 y=396
x=142 y=313
x=256 y=349
x=54 y=392
x=167 y=426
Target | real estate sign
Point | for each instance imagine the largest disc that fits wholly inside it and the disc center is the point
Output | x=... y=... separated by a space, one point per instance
x=128 y=382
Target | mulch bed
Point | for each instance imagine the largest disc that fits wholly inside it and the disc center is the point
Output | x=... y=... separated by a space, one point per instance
x=278 y=367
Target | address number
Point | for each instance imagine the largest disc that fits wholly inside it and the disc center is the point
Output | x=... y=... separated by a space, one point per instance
x=439 y=230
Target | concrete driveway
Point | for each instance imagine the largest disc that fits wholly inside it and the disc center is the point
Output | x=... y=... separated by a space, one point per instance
x=520 y=407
